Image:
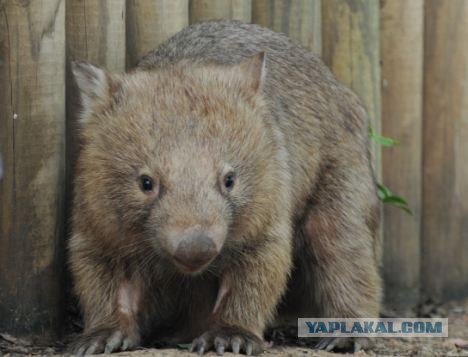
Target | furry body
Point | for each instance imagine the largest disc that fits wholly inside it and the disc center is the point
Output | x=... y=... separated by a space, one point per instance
x=296 y=234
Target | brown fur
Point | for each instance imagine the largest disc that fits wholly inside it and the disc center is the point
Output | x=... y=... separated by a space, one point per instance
x=302 y=210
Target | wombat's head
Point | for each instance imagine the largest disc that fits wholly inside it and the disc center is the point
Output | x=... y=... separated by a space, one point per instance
x=178 y=158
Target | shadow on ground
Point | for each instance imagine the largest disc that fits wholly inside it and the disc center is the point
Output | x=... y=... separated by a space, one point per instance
x=286 y=344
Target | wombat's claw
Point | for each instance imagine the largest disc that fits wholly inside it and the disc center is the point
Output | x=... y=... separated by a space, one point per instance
x=228 y=338
x=198 y=345
x=327 y=343
x=330 y=343
x=361 y=343
x=102 y=342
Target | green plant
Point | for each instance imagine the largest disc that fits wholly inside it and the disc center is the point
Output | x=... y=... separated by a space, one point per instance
x=384 y=193
x=382 y=140
x=386 y=196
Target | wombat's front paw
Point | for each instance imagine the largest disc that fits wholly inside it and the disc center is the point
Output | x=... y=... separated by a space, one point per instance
x=331 y=343
x=103 y=341
x=228 y=338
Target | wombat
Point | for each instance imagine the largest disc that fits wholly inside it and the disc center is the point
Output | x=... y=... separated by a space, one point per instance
x=223 y=186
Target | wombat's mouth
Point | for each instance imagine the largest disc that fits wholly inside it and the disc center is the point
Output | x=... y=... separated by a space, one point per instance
x=191 y=269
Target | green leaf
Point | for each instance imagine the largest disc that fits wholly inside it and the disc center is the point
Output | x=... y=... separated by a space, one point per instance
x=382 y=140
x=395 y=200
x=386 y=196
x=403 y=206
x=383 y=191
x=184 y=346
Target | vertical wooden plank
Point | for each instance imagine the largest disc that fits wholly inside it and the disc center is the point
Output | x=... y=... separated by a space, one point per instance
x=203 y=10
x=350 y=47
x=95 y=32
x=445 y=184
x=299 y=19
x=151 y=22
x=241 y=10
x=32 y=143
x=401 y=49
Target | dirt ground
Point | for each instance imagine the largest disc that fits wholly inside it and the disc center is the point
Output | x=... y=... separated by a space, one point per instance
x=285 y=345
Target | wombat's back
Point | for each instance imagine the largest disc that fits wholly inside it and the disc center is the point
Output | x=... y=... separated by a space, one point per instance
x=292 y=71
x=228 y=42
x=289 y=66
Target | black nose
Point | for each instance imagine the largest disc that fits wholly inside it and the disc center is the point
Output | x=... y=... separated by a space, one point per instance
x=195 y=252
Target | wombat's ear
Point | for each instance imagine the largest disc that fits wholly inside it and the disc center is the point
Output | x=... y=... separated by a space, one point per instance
x=253 y=71
x=94 y=85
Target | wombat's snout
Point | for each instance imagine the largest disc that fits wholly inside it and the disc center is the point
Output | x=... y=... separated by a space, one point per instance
x=195 y=252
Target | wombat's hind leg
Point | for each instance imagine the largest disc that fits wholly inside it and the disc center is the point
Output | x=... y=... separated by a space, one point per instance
x=337 y=248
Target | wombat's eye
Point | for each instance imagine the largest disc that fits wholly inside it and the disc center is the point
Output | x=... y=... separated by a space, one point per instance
x=146 y=183
x=229 y=180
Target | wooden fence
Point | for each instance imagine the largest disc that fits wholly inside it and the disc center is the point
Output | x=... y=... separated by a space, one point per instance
x=407 y=60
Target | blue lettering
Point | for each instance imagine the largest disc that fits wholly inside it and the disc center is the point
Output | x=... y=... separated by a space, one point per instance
x=418 y=327
x=311 y=326
x=356 y=328
x=436 y=328
x=343 y=327
x=380 y=328
x=333 y=326
x=369 y=326
x=321 y=327
x=407 y=327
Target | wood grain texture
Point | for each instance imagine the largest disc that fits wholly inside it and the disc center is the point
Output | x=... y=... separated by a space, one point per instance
x=445 y=184
x=299 y=19
x=350 y=47
x=95 y=31
x=32 y=143
x=203 y=10
x=151 y=22
x=401 y=44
